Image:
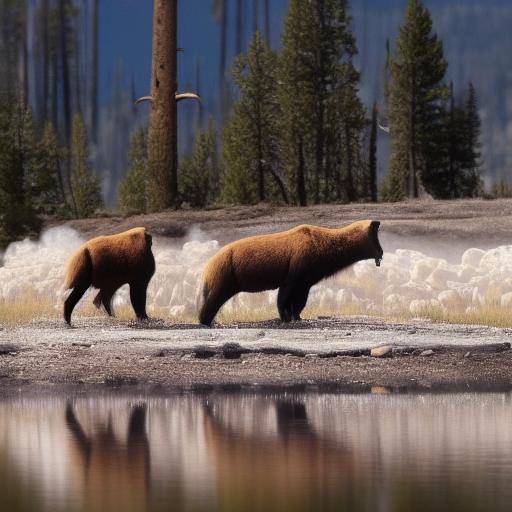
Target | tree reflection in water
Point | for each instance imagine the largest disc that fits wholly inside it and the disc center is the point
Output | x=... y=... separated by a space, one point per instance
x=248 y=452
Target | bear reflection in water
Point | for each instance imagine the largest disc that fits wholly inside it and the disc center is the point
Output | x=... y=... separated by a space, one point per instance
x=282 y=451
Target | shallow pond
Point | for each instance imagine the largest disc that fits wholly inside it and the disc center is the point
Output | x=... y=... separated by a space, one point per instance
x=256 y=452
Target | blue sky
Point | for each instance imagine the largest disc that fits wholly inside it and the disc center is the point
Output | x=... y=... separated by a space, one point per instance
x=125 y=36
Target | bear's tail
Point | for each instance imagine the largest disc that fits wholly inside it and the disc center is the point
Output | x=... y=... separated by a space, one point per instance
x=79 y=269
x=219 y=285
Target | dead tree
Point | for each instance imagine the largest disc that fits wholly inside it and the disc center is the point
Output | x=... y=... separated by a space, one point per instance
x=163 y=129
x=94 y=72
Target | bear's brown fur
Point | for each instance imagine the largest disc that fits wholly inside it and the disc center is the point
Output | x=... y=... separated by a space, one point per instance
x=292 y=261
x=107 y=263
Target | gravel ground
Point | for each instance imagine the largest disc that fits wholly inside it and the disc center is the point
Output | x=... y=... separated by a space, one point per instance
x=326 y=352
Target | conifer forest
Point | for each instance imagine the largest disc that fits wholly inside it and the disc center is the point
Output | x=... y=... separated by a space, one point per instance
x=284 y=124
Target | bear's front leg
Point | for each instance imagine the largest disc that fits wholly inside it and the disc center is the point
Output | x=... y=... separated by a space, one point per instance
x=284 y=304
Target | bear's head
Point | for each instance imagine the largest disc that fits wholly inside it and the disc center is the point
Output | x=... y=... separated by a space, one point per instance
x=373 y=238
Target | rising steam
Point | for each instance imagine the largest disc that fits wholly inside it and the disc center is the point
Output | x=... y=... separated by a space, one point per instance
x=407 y=281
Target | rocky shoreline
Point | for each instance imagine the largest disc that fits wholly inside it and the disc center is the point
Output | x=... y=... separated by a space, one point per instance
x=360 y=354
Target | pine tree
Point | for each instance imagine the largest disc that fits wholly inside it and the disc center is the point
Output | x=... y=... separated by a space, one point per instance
x=46 y=182
x=251 y=137
x=415 y=95
x=133 y=188
x=85 y=186
x=199 y=172
x=472 y=144
x=502 y=188
x=322 y=117
x=17 y=215
x=457 y=146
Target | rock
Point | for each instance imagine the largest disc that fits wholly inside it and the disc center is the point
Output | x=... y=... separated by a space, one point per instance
x=380 y=390
x=383 y=351
x=467 y=354
x=427 y=353
x=411 y=331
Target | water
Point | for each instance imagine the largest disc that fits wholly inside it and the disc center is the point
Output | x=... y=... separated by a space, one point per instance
x=256 y=452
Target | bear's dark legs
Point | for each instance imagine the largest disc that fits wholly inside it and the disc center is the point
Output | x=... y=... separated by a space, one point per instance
x=73 y=299
x=138 y=299
x=283 y=303
x=104 y=297
x=212 y=303
x=298 y=300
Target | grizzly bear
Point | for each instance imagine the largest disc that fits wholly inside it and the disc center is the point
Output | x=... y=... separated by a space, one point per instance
x=292 y=261
x=107 y=263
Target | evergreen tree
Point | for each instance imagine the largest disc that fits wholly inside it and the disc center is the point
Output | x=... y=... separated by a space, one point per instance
x=17 y=215
x=133 y=188
x=251 y=137
x=472 y=144
x=322 y=118
x=46 y=182
x=415 y=96
x=459 y=174
x=502 y=188
x=85 y=186
x=199 y=172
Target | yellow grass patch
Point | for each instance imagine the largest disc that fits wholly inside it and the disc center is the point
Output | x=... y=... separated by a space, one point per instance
x=29 y=308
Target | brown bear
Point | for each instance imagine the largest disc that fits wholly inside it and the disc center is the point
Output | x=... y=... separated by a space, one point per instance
x=107 y=263
x=292 y=261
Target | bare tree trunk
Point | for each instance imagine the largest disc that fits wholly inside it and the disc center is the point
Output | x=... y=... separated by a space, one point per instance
x=373 y=154
x=23 y=61
x=255 y=12
x=66 y=86
x=200 y=110
x=239 y=26
x=162 y=143
x=267 y=21
x=94 y=72
x=301 y=179
x=223 y=54
x=46 y=59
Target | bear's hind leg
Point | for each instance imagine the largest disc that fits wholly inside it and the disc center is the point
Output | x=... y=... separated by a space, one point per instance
x=138 y=299
x=72 y=300
x=104 y=297
x=211 y=305
x=298 y=301
x=283 y=303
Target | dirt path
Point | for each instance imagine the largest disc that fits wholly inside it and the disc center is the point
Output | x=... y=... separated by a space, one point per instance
x=320 y=352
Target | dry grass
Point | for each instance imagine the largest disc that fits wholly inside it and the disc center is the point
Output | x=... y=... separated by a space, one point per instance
x=30 y=308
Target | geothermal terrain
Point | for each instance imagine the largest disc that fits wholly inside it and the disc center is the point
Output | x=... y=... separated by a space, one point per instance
x=439 y=304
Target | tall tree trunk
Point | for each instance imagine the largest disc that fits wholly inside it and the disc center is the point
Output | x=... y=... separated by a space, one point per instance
x=23 y=87
x=267 y=21
x=200 y=110
x=301 y=179
x=222 y=60
x=372 y=161
x=66 y=84
x=255 y=12
x=350 y=189
x=239 y=26
x=45 y=12
x=94 y=72
x=162 y=143
x=77 y=63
